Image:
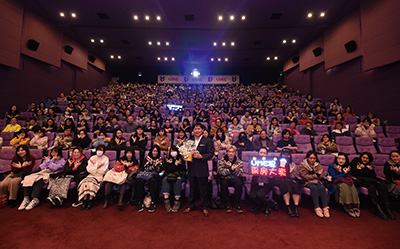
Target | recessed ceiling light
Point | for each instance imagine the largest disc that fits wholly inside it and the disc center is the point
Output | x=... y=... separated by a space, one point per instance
x=219 y=59
x=268 y=58
x=322 y=14
x=173 y=59
x=220 y=18
x=147 y=18
x=232 y=44
x=158 y=58
x=112 y=56
x=92 y=40
x=167 y=43
x=226 y=59
x=119 y=57
x=309 y=15
x=150 y=43
x=158 y=18
x=135 y=17
x=158 y=43
x=276 y=58
x=62 y=14
x=215 y=44
x=73 y=15
x=101 y=41
x=232 y=18
x=294 y=41
x=212 y=59
x=223 y=44
x=165 y=58
x=284 y=41
x=243 y=18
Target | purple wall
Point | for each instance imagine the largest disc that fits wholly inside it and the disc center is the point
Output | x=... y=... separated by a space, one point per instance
x=35 y=81
x=377 y=90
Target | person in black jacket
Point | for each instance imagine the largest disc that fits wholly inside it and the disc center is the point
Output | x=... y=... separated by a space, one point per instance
x=392 y=173
x=308 y=130
x=138 y=141
x=175 y=171
x=362 y=169
x=100 y=126
x=243 y=144
x=81 y=140
x=117 y=143
x=198 y=169
x=74 y=170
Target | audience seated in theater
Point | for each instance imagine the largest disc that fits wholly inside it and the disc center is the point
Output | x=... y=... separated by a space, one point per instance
x=235 y=128
x=33 y=183
x=97 y=109
x=333 y=111
x=320 y=105
x=148 y=109
x=308 y=130
x=289 y=186
x=287 y=142
x=13 y=112
x=50 y=126
x=206 y=133
x=203 y=117
x=246 y=119
x=117 y=143
x=180 y=139
x=365 y=129
x=101 y=139
x=61 y=97
x=21 y=165
x=339 y=118
x=273 y=128
x=55 y=107
x=51 y=114
x=320 y=119
x=20 y=138
x=243 y=144
x=311 y=172
x=149 y=175
x=126 y=114
x=262 y=117
x=188 y=116
x=81 y=140
x=308 y=112
x=218 y=124
x=90 y=185
x=74 y=171
x=339 y=106
x=340 y=131
x=63 y=140
x=263 y=142
x=113 y=125
x=169 y=127
x=157 y=117
x=374 y=119
x=348 y=112
x=292 y=128
x=130 y=126
x=343 y=186
x=392 y=173
x=309 y=100
x=13 y=126
x=289 y=118
x=162 y=141
x=221 y=141
x=230 y=171
x=254 y=128
x=363 y=170
x=215 y=117
x=153 y=128
x=173 y=118
x=327 y=145
x=32 y=108
x=39 y=140
x=175 y=172
x=84 y=115
x=304 y=119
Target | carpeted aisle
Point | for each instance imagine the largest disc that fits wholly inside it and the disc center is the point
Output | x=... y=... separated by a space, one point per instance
x=46 y=227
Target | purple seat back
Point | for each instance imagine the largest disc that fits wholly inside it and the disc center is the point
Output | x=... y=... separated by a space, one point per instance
x=345 y=145
x=297 y=158
x=365 y=144
x=321 y=129
x=393 y=131
x=379 y=131
x=386 y=145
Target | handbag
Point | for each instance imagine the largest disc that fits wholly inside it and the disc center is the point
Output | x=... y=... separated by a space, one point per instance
x=144 y=175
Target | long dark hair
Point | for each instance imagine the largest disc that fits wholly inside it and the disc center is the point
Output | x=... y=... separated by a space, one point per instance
x=370 y=156
x=312 y=153
x=154 y=146
x=223 y=137
x=174 y=148
x=347 y=163
x=17 y=158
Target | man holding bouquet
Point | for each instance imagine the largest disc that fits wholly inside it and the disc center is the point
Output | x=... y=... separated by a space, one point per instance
x=198 y=169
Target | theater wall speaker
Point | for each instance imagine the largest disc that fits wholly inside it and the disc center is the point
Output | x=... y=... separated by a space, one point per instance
x=92 y=58
x=68 y=49
x=32 y=44
x=295 y=59
x=351 y=46
x=317 y=51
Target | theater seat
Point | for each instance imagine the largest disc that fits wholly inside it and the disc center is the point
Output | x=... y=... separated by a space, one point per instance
x=386 y=145
x=345 y=145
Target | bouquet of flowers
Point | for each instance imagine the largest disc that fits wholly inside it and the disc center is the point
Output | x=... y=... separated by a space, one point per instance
x=187 y=149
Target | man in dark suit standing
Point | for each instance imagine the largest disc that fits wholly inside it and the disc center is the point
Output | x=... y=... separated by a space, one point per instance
x=198 y=169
